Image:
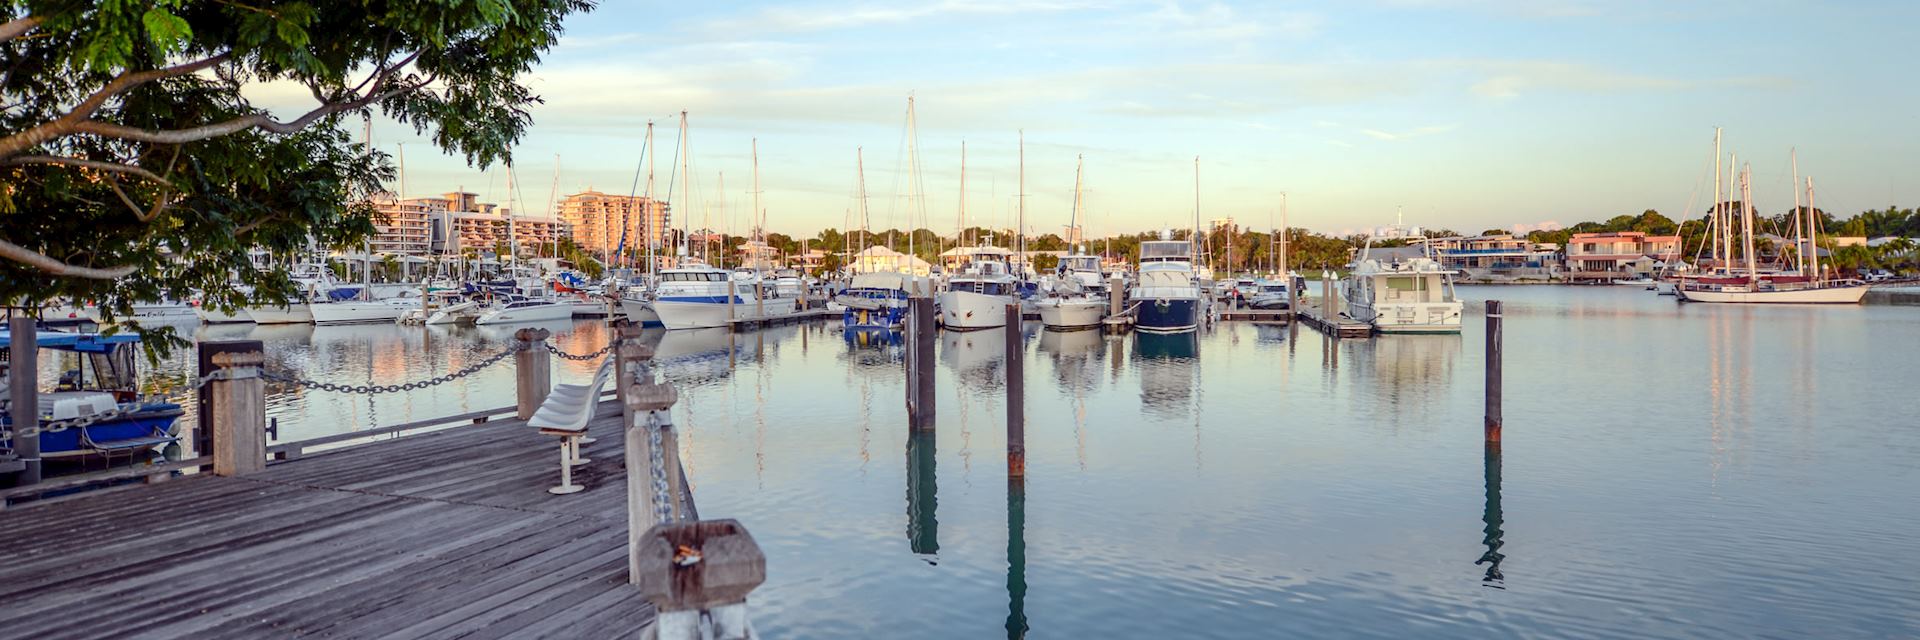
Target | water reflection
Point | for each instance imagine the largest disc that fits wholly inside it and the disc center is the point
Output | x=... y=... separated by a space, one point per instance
x=694 y=356
x=1168 y=367
x=1016 y=558
x=1494 y=520
x=923 y=488
x=977 y=358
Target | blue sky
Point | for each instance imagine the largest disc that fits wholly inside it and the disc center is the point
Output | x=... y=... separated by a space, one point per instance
x=1469 y=113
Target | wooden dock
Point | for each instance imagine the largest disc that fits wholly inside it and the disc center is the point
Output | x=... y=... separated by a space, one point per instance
x=1279 y=316
x=447 y=534
x=1336 y=326
x=802 y=315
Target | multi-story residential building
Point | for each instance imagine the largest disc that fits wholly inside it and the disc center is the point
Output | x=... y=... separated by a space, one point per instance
x=1498 y=257
x=401 y=226
x=598 y=220
x=1613 y=254
x=459 y=221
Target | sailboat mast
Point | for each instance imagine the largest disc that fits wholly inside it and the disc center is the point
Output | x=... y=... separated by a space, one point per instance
x=1726 y=239
x=1073 y=219
x=759 y=224
x=963 y=195
x=1282 y=257
x=1719 y=205
x=1193 y=241
x=686 y=182
x=1813 y=233
x=706 y=221
x=913 y=181
x=646 y=213
x=513 y=239
x=1020 y=223
x=1799 y=248
x=860 y=168
x=1746 y=217
x=553 y=202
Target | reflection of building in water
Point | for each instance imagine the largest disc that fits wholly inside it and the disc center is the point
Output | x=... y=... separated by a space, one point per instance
x=977 y=358
x=1169 y=371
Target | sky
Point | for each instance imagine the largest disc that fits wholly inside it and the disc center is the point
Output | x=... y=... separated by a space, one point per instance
x=1467 y=114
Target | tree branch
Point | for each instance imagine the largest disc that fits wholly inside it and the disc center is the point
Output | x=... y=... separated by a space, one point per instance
x=40 y=261
x=258 y=120
x=96 y=165
x=13 y=28
x=73 y=119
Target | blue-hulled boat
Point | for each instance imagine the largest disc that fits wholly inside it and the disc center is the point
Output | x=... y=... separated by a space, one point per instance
x=1166 y=298
x=875 y=301
x=106 y=380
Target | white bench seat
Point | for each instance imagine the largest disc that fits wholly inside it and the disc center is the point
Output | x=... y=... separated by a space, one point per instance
x=565 y=413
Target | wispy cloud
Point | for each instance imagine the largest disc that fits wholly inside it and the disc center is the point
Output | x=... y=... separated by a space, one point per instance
x=838 y=16
x=1408 y=135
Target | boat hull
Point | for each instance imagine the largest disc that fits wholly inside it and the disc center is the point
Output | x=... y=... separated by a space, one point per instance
x=354 y=312
x=1071 y=314
x=640 y=312
x=1167 y=315
x=1431 y=317
x=964 y=310
x=211 y=315
x=526 y=315
x=149 y=427
x=1823 y=295
x=293 y=314
x=715 y=312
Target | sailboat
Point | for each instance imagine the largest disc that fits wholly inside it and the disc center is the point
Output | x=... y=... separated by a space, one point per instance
x=636 y=301
x=697 y=295
x=1074 y=299
x=1805 y=286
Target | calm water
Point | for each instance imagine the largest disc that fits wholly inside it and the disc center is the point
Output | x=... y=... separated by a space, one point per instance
x=1698 y=471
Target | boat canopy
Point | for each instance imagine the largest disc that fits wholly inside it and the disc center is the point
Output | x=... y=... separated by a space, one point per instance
x=1165 y=250
x=78 y=342
x=881 y=280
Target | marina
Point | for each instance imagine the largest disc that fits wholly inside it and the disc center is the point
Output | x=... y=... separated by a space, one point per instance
x=1380 y=441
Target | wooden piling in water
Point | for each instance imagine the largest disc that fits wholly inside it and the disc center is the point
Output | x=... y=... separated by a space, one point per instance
x=239 y=414
x=920 y=337
x=1493 y=372
x=23 y=369
x=532 y=375
x=1016 y=396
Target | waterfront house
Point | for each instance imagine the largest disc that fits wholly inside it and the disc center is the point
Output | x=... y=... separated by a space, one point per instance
x=1497 y=257
x=880 y=259
x=1614 y=255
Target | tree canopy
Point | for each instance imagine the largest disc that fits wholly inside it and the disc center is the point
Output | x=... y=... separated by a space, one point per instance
x=135 y=163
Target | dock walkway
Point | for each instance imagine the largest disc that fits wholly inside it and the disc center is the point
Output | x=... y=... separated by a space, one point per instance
x=448 y=534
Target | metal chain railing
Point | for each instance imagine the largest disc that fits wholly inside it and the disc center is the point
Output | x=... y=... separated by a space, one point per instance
x=582 y=357
x=657 y=468
x=392 y=388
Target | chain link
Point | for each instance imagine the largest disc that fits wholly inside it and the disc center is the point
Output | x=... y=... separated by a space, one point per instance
x=582 y=357
x=657 y=463
x=393 y=388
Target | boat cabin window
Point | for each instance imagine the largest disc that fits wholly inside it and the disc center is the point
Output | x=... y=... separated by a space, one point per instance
x=1161 y=250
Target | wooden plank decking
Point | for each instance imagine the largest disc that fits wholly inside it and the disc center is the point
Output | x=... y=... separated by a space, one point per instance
x=449 y=534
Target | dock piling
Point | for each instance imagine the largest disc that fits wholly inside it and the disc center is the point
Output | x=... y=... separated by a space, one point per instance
x=239 y=413
x=532 y=373
x=920 y=337
x=1016 y=396
x=1493 y=371
x=23 y=365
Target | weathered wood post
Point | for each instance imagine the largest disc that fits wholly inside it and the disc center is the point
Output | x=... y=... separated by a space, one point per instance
x=533 y=379
x=920 y=359
x=733 y=291
x=1116 y=296
x=1493 y=371
x=23 y=375
x=1326 y=302
x=239 y=413
x=625 y=332
x=1016 y=396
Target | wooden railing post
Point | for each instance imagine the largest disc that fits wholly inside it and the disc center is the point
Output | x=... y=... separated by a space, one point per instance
x=239 y=414
x=23 y=375
x=1016 y=396
x=533 y=377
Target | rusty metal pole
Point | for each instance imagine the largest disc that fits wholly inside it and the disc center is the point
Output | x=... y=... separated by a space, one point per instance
x=1016 y=396
x=1493 y=371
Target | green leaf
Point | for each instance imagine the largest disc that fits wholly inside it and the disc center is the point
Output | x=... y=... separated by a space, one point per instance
x=167 y=31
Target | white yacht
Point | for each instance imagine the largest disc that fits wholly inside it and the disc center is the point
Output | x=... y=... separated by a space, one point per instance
x=1167 y=297
x=977 y=297
x=521 y=310
x=1076 y=297
x=1400 y=293
x=698 y=295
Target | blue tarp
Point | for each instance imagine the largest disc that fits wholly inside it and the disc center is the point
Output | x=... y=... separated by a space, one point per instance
x=341 y=294
x=83 y=342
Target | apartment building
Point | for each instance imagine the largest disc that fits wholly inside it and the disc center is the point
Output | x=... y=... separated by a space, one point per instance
x=599 y=220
